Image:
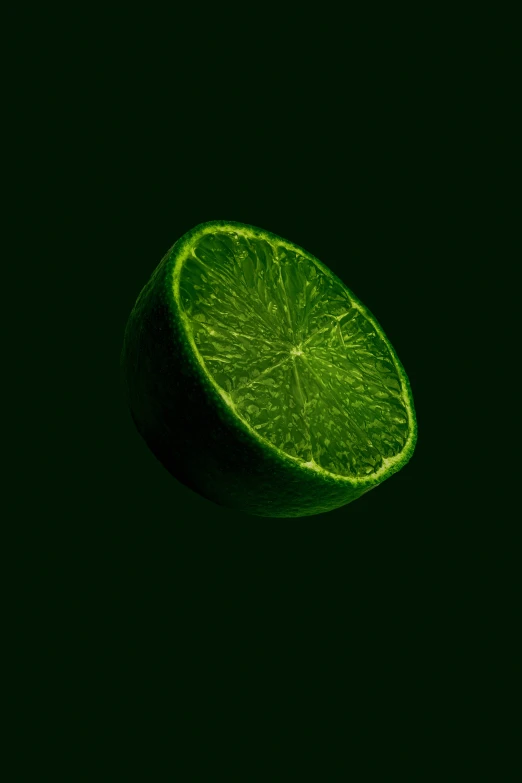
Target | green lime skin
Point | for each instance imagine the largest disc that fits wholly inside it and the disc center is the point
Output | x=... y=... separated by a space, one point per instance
x=188 y=425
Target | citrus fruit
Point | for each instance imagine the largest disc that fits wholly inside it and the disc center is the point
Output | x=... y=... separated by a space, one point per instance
x=259 y=380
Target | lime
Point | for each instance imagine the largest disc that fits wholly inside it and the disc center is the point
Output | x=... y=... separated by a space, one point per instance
x=259 y=380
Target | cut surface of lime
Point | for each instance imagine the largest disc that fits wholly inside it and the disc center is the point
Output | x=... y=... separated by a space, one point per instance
x=293 y=353
x=260 y=380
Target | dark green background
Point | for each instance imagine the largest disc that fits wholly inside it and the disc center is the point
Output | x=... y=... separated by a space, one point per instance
x=147 y=602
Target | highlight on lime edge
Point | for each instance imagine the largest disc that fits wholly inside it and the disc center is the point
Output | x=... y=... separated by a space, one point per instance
x=259 y=380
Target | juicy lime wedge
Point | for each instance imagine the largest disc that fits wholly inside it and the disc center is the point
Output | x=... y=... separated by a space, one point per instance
x=260 y=380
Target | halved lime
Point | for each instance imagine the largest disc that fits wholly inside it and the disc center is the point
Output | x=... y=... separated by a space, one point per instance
x=259 y=380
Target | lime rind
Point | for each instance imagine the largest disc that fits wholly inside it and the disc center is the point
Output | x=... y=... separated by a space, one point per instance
x=181 y=251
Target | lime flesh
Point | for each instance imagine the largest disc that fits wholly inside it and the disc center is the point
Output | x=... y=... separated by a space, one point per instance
x=295 y=355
